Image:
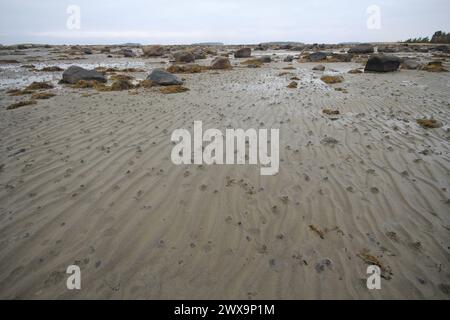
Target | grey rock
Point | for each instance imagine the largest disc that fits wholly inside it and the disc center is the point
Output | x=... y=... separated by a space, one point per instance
x=243 y=53
x=362 y=48
x=75 y=73
x=184 y=56
x=410 y=64
x=318 y=56
x=128 y=53
x=382 y=63
x=163 y=78
x=319 y=67
x=221 y=63
x=87 y=50
x=153 y=51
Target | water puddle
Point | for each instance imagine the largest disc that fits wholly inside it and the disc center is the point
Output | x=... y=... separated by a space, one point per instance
x=15 y=76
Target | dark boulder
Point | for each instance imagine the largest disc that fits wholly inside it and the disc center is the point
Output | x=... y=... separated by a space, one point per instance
x=261 y=47
x=74 y=74
x=318 y=56
x=221 y=63
x=361 y=49
x=153 y=51
x=382 y=63
x=87 y=50
x=243 y=53
x=341 y=57
x=163 y=78
x=184 y=56
x=128 y=53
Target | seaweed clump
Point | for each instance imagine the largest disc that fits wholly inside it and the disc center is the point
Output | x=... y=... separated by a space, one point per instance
x=39 y=86
x=293 y=85
x=21 y=104
x=42 y=95
x=330 y=112
x=332 y=79
x=173 y=89
x=429 y=123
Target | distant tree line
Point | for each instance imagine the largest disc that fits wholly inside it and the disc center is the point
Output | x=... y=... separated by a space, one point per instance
x=438 y=37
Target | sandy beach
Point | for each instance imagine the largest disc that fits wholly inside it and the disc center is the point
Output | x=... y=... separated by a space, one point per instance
x=86 y=178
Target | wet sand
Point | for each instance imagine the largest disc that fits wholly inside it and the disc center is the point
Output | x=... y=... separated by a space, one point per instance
x=86 y=178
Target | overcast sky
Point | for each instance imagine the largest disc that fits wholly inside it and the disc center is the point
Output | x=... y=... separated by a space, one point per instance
x=228 y=21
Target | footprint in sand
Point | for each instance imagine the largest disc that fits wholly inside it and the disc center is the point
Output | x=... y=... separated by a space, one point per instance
x=374 y=190
x=324 y=264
